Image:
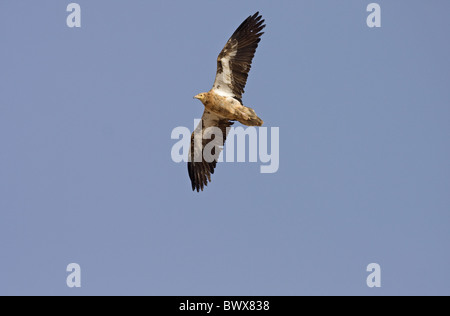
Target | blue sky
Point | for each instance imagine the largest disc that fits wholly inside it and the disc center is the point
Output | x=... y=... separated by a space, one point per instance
x=86 y=174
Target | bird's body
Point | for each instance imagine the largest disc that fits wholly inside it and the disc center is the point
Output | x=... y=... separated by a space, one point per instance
x=229 y=108
x=223 y=103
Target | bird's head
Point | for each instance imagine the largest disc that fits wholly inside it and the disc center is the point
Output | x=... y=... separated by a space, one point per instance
x=200 y=96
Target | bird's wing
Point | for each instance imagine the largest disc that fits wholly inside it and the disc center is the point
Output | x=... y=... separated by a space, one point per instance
x=207 y=142
x=235 y=60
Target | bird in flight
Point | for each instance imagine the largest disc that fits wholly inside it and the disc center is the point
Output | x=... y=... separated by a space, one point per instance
x=223 y=103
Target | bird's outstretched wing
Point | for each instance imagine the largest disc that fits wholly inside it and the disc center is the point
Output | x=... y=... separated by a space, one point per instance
x=207 y=142
x=235 y=60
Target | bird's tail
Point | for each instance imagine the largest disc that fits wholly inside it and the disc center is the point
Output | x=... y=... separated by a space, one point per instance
x=248 y=117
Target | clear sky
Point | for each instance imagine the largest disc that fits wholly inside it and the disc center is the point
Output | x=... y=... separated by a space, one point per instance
x=86 y=174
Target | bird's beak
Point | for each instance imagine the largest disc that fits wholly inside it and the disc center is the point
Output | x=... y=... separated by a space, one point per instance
x=197 y=97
